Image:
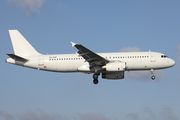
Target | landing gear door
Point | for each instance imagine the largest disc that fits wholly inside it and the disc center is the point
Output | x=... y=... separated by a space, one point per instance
x=41 y=60
x=152 y=57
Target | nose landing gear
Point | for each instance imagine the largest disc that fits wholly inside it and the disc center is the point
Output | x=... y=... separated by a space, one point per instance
x=153 y=77
x=152 y=73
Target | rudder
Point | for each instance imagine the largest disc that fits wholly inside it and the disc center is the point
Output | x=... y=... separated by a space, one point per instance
x=20 y=45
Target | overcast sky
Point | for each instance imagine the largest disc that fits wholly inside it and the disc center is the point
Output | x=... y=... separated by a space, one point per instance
x=101 y=26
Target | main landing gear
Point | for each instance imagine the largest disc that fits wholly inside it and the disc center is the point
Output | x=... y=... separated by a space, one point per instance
x=95 y=76
x=152 y=73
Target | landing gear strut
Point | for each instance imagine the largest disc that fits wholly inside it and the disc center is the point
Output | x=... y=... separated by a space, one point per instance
x=152 y=73
x=95 y=76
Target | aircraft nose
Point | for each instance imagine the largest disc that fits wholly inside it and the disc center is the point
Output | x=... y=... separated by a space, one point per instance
x=172 y=62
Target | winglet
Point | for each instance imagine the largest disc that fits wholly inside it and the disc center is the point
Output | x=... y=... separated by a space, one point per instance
x=73 y=44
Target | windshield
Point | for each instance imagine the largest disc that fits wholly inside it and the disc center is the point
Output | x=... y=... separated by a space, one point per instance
x=163 y=56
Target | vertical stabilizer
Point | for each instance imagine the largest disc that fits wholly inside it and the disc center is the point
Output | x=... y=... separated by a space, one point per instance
x=20 y=45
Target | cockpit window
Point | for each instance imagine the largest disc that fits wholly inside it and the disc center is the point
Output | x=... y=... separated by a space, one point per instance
x=163 y=56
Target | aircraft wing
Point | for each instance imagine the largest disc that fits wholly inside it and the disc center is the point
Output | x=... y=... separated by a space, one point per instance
x=94 y=59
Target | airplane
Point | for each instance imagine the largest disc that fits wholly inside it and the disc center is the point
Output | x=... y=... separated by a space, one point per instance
x=108 y=65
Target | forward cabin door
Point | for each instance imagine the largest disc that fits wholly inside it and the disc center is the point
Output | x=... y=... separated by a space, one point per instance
x=152 y=57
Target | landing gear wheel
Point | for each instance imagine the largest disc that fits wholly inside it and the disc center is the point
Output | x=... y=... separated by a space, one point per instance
x=95 y=81
x=95 y=76
x=152 y=73
x=153 y=77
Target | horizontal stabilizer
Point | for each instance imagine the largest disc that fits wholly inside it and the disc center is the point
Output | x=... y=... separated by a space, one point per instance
x=15 y=57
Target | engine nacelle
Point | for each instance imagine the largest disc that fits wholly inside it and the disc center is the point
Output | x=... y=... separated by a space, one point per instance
x=113 y=75
x=115 y=66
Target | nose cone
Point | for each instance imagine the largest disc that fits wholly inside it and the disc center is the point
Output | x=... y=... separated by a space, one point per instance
x=172 y=62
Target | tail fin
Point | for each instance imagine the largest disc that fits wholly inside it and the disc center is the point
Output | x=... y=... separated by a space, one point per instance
x=20 y=45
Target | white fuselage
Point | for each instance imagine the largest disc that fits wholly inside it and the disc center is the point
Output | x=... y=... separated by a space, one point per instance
x=76 y=63
x=109 y=65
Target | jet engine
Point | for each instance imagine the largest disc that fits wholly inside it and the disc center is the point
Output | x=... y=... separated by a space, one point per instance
x=115 y=66
x=113 y=75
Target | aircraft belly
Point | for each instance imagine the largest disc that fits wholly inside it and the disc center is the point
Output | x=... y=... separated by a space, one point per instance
x=143 y=65
x=137 y=65
x=70 y=67
x=63 y=66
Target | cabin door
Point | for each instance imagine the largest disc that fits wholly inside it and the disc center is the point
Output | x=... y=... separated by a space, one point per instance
x=41 y=60
x=152 y=57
